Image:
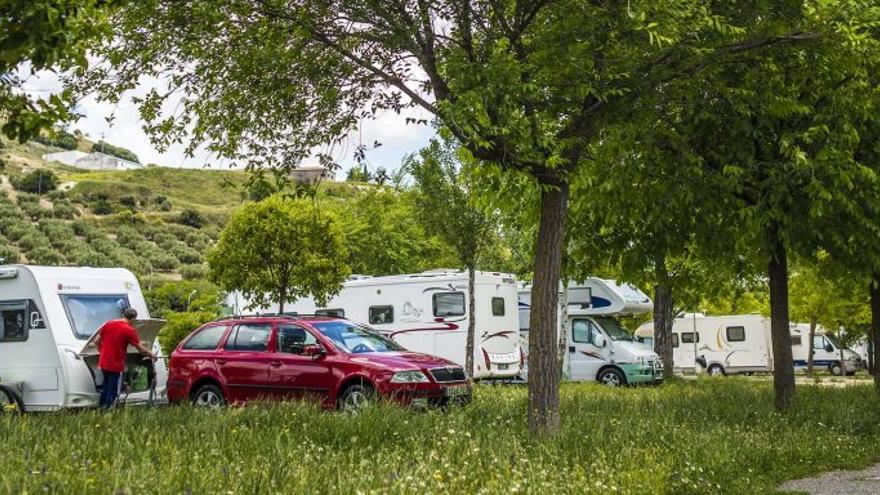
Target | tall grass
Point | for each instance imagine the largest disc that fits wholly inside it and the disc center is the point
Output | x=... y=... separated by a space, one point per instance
x=712 y=436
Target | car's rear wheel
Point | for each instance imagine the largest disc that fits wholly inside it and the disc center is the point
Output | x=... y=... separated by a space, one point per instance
x=209 y=397
x=356 y=397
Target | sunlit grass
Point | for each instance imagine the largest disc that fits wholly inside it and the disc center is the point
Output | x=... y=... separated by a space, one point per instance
x=710 y=436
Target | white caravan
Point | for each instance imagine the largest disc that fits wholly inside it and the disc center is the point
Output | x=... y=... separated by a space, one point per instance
x=598 y=347
x=428 y=312
x=733 y=344
x=48 y=316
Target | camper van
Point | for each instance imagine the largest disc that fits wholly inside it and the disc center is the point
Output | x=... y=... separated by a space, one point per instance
x=731 y=344
x=48 y=319
x=598 y=347
x=428 y=313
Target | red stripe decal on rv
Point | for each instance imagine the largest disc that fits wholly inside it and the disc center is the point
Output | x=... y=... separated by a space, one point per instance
x=592 y=355
x=498 y=334
x=447 y=326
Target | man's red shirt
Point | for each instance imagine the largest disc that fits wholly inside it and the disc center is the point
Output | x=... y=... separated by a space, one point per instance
x=116 y=335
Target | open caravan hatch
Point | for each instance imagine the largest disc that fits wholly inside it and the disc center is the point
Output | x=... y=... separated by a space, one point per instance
x=139 y=378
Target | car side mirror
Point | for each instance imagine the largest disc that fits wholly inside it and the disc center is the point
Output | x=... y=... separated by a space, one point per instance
x=828 y=348
x=599 y=340
x=314 y=350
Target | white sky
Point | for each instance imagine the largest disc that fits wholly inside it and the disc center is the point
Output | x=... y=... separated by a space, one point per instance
x=398 y=138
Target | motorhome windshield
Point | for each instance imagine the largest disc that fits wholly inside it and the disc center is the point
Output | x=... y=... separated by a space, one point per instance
x=614 y=329
x=87 y=313
x=354 y=339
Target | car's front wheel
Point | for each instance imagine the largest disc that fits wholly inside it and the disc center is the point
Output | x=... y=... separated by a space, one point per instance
x=611 y=377
x=208 y=396
x=356 y=397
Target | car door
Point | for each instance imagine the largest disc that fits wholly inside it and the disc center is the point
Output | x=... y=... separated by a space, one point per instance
x=585 y=357
x=244 y=361
x=294 y=375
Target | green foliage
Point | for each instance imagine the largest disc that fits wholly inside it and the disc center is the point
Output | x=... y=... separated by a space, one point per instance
x=188 y=295
x=102 y=207
x=191 y=218
x=179 y=326
x=117 y=151
x=280 y=249
x=194 y=272
x=40 y=181
x=8 y=252
x=608 y=444
x=58 y=138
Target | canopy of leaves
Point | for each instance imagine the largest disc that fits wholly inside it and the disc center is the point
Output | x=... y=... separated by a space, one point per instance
x=280 y=249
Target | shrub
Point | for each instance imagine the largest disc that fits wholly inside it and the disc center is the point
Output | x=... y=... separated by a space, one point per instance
x=8 y=253
x=2 y=164
x=60 y=139
x=163 y=261
x=191 y=217
x=179 y=326
x=82 y=228
x=162 y=203
x=194 y=272
x=34 y=211
x=102 y=207
x=45 y=255
x=33 y=240
x=25 y=198
x=39 y=181
x=128 y=201
x=63 y=209
x=17 y=229
x=117 y=151
x=186 y=254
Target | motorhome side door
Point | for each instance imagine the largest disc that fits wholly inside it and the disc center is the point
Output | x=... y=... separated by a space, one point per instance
x=584 y=356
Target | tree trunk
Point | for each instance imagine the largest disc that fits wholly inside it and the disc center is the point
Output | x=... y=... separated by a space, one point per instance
x=811 y=352
x=875 y=329
x=664 y=317
x=282 y=295
x=783 y=365
x=543 y=369
x=564 y=329
x=472 y=322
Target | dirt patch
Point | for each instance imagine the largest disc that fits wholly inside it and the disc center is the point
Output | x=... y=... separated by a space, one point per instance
x=864 y=482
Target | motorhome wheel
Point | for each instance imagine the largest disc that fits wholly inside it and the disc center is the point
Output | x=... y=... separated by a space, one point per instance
x=611 y=377
x=716 y=370
x=209 y=396
x=835 y=369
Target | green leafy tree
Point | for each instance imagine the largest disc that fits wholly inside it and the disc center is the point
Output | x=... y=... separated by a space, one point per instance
x=278 y=250
x=185 y=296
x=117 y=151
x=446 y=207
x=39 y=181
x=524 y=86
x=179 y=326
x=44 y=34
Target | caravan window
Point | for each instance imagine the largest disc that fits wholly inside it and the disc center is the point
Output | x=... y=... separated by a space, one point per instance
x=688 y=337
x=380 y=315
x=87 y=313
x=449 y=304
x=497 y=306
x=736 y=334
x=795 y=340
x=674 y=340
x=13 y=321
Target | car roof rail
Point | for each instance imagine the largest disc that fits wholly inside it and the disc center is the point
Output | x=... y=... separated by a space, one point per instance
x=285 y=315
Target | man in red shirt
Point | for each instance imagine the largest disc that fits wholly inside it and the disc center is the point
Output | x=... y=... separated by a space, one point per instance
x=112 y=342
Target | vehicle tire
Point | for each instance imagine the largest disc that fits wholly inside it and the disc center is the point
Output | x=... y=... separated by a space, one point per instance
x=611 y=377
x=356 y=397
x=208 y=396
x=10 y=403
x=835 y=369
x=716 y=370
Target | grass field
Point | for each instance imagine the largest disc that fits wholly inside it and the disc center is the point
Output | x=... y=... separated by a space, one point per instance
x=709 y=436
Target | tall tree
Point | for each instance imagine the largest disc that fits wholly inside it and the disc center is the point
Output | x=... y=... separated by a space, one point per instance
x=522 y=85
x=280 y=249
x=446 y=207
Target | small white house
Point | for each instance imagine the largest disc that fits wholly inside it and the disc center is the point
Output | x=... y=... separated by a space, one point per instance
x=91 y=161
x=48 y=319
x=310 y=174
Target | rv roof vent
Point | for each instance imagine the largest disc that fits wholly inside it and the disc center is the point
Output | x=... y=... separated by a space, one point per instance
x=357 y=276
x=8 y=272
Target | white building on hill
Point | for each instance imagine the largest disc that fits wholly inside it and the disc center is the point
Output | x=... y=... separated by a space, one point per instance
x=91 y=161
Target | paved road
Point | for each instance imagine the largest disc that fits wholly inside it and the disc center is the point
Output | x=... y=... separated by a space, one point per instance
x=865 y=482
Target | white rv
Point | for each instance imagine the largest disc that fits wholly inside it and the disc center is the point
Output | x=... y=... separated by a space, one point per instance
x=730 y=344
x=48 y=317
x=428 y=312
x=598 y=347
x=828 y=353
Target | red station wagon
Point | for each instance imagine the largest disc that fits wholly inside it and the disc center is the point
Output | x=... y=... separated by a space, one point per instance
x=339 y=362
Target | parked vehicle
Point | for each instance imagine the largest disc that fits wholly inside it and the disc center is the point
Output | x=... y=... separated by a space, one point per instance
x=732 y=344
x=48 y=317
x=332 y=360
x=428 y=313
x=598 y=347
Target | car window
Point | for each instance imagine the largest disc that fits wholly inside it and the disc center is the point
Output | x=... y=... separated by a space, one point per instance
x=352 y=338
x=583 y=331
x=207 y=339
x=292 y=339
x=249 y=337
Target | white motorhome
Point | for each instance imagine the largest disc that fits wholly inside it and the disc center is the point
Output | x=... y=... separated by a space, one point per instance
x=428 y=312
x=48 y=317
x=598 y=347
x=731 y=344
x=828 y=353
